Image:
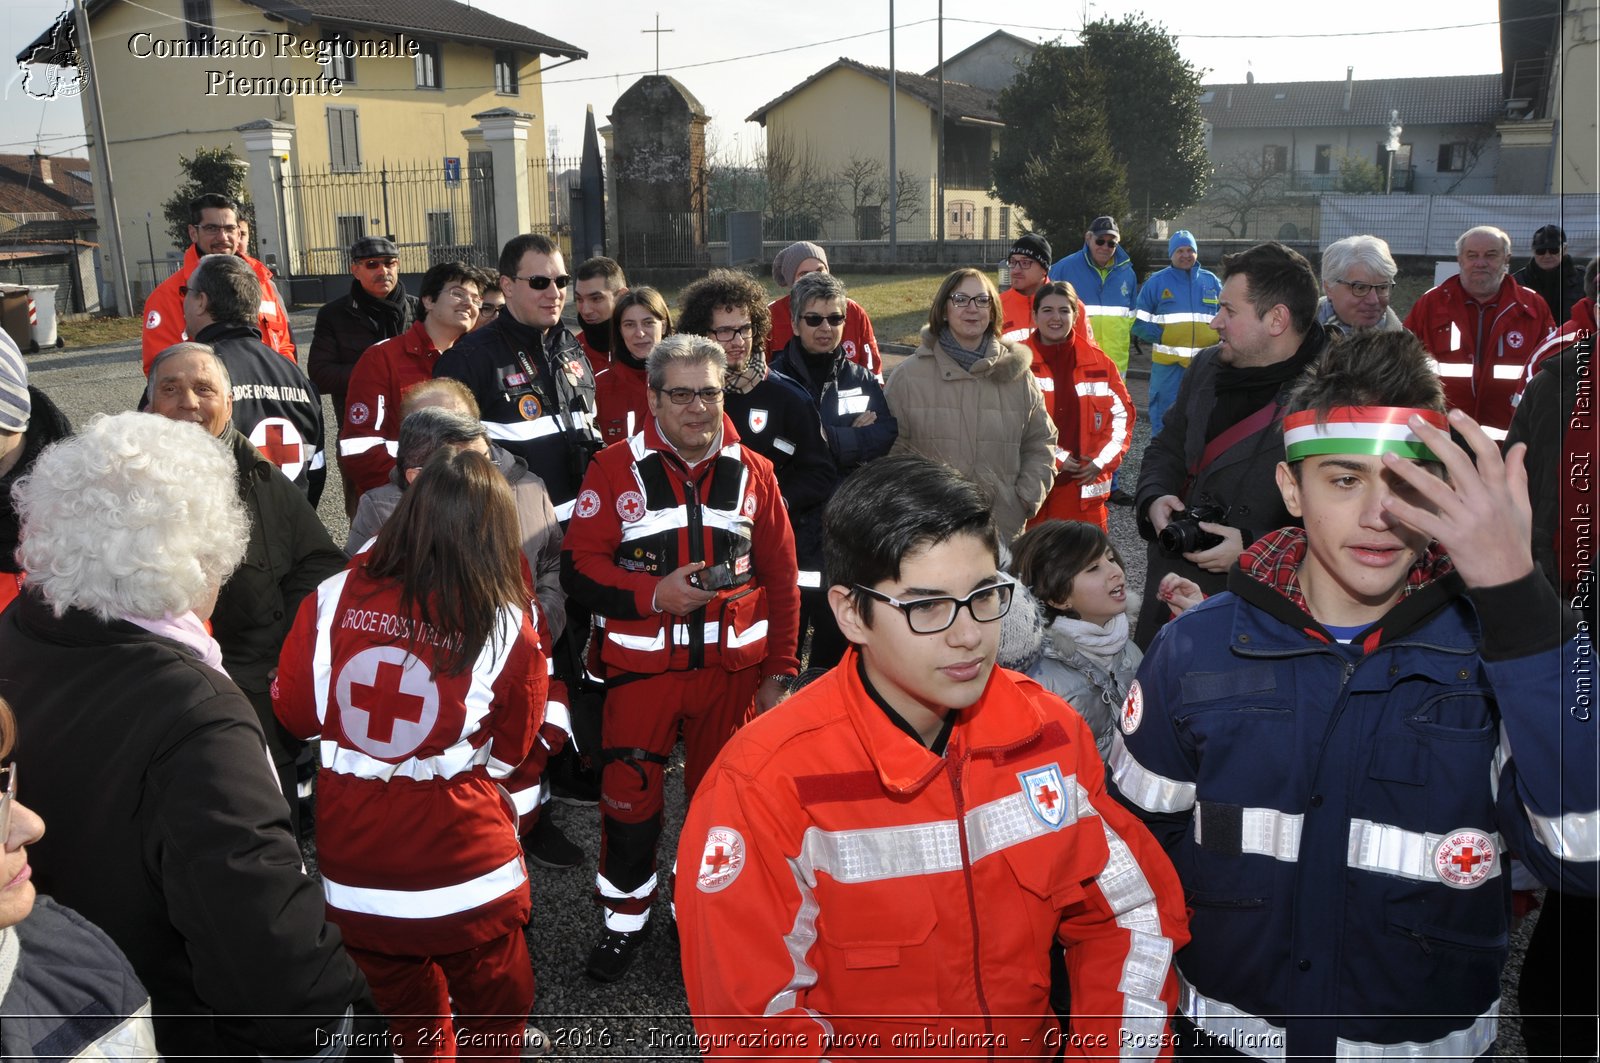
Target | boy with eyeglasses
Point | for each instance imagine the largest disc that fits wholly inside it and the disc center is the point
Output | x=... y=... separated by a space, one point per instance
x=882 y=866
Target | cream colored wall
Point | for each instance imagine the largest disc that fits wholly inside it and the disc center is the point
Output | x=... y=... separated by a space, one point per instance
x=1577 y=141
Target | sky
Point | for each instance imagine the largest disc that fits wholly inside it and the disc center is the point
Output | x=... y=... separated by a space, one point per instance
x=737 y=56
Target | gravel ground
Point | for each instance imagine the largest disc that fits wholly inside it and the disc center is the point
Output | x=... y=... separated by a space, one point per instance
x=643 y=1016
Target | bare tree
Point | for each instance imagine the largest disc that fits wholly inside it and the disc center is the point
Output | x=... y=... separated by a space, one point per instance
x=1241 y=187
x=1474 y=143
x=800 y=192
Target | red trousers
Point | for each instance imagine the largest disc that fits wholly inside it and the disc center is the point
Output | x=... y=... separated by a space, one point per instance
x=491 y=986
x=1066 y=502
x=639 y=729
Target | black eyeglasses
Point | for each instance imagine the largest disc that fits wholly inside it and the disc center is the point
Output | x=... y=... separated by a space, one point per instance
x=8 y=799
x=489 y=309
x=1102 y=241
x=214 y=230
x=684 y=396
x=1359 y=289
x=539 y=284
x=724 y=333
x=183 y=290
x=962 y=299
x=929 y=616
x=1547 y=250
x=813 y=320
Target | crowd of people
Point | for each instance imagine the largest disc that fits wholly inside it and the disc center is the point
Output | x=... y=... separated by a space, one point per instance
x=954 y=785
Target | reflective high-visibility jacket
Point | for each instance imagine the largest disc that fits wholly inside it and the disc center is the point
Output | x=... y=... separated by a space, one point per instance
x=838 y=880
x=1080 y=373
x=642 y=514
x=1107 y=296
x=1174 y=312
x=163 y=312
x=1481 y=354
x=1341 y=815
x=416 y=841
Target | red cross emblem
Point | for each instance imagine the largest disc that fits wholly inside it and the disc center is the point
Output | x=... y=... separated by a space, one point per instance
x=387 y=704
x=1465 y=858
x=1132 y=709
x=630 y=506
x=280 y=443
x=1045 y=790
x=721 y=860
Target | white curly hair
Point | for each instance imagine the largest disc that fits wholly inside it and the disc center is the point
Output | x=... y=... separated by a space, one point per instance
x=135 y=516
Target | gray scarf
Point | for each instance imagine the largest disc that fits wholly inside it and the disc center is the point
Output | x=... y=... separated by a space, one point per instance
x=963 y=357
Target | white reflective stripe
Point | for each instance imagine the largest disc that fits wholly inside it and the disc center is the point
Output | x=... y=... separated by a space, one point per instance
x=677 y=518
x=1047 y=383
x=1061 y=457
x=1455 y=336
x=881 y=853
x=328 y=593
x=710 y=631
x=269 y=308
x=1391 y=850
x=460 y=758
x=1107 y=311
x=1151 y=792
x=1186 y=318
x=1462 y=1046
x=564 y=510
x=645 y=643
x=782 y=444
x=1007 y=821
x=797 y=941
x=559 y=716
x=754 y=633
x=377 y=419
x=1017 y=335
x=1240 y=1030
x=522 y=431
x=319 y=460
x=627 y=922
x=1145 y=315
x=426 y=904
x=526 y=799
x=1264 y=831
x=361 y=444
x=812 y=580
x=1166 y=354
x=1502 y=371
x=1097 y=489
x=133 y=1038
x=1496 y=434
x=1452 y=369
x=1572 y=836
x=1119 y=420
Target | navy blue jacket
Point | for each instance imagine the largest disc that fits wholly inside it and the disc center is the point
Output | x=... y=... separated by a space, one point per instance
x=846 y=393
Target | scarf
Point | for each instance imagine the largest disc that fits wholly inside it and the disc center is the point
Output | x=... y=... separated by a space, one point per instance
x=390 y=310
x=189 y=630
x=1061 y=361
x=1243 y=390
x=598 y=335
x=1094 y=640
x=963 y=357
x=744 y=379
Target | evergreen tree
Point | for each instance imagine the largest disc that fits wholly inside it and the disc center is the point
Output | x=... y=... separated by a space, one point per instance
x=208 y=170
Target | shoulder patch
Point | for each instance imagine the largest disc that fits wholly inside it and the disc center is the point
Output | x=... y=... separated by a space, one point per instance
x=1515 y=340
x=758 y=421
x=1132 y=709
x=152 y=319
x=1047 y=795
x=721 y=860
x=588 y=503
x=358 y=413
x=630 y=506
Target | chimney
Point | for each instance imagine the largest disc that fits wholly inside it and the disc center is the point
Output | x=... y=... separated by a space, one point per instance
x=1349 y=86
x=39 y=169
x=1230 y=98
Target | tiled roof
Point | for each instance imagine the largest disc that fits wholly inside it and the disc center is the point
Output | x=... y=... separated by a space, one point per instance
x=22 y=193
x=960 y=101
x=1465 y=99
x=43 y=232
x=445 y=19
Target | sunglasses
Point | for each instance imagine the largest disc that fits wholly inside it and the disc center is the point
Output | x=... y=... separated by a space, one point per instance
x=539 y=284
x=380 y=263
x=1547 y=250
x=1102 y=241
x=813 y=320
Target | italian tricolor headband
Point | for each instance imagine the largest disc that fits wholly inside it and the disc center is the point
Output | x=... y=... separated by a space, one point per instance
x=1358 y=430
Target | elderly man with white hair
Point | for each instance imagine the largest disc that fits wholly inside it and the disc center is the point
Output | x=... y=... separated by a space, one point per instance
x=1357 y=281
x=1482 y=327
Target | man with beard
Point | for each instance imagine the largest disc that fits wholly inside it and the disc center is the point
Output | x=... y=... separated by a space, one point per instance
x=600 y=282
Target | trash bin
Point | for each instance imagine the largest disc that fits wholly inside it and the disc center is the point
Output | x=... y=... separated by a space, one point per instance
x=44 y=317
x=14 y=314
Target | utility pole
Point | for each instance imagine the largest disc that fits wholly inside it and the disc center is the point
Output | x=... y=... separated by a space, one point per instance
x=100 y=159
x=941 y=125
x=894 y=172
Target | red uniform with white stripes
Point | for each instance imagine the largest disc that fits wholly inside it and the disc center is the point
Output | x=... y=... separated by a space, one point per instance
x=1094 y=419
x=1481 y=350
x=163 y=312
x=416 y=842
x=369 y=439
x=837 y=879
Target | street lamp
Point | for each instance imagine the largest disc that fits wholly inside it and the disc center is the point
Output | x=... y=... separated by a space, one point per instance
x=1392 y=145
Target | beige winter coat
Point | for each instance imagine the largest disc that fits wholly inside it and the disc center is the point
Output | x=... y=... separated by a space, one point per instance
x=990 y=423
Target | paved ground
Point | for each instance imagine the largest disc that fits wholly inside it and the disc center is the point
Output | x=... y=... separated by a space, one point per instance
x=641 y=1017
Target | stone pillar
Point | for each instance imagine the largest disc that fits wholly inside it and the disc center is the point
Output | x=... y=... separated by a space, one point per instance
x=658 y=147
x=505 y=134
x=268 y=146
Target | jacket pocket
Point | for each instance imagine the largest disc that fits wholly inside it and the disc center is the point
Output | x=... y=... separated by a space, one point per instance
x=878 y=950
x=742 y=633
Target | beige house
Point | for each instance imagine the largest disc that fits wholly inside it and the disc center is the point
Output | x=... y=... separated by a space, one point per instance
x=341 y=107
x=834 y=126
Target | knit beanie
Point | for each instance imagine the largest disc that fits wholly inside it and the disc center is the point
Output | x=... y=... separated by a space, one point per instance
x=1021 y=630
x=785 y=262
x=15 y=406
x=1182 y=238
x=1033 y=246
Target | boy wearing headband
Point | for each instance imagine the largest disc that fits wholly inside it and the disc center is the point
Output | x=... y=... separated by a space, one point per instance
x=1342 y=753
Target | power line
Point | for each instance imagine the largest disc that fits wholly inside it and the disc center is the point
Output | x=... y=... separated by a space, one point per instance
x=1263 y=36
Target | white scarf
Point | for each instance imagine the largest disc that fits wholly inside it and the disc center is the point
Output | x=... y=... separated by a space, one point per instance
x=1104 y=642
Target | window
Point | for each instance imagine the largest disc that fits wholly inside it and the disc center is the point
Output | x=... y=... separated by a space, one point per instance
x=1452 y=157
x=344 y=139
x=1324 y=163
x=441 y=228
x=505 y=73
x=351 y=227
x=967 y=155
x=339 y=65
x=198 y=25
x=1274 y=158
x=427 y=62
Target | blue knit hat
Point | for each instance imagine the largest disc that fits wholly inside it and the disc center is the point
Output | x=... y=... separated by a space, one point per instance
x=1181 y=238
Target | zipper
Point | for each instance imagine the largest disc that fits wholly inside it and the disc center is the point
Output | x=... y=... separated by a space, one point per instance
x=972 y=900
x=697 y=627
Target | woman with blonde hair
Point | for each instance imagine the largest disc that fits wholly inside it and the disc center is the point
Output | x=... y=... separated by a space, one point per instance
x=967 y=398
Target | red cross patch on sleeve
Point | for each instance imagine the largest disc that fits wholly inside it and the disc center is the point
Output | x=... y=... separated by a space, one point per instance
x=721 y=860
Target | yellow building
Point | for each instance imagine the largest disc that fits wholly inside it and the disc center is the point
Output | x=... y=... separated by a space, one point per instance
x=834 y=128
x=362 y=104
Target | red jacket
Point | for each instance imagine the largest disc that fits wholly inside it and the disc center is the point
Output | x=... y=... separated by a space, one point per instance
x=1079 y=374
x=1481 y=380
x=859 y=343
x=416 y=841
x=620 y=390
x=1016 y=319
x=630 y=527
x=836 y=878
x=1581 y=324
x=370 y=435
x=598 y=360
x=163 y=311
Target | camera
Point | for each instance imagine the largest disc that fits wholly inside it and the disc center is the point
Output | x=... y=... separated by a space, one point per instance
x=1183 y=534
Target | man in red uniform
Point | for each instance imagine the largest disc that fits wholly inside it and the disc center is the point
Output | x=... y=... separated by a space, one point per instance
x=371 y=429
x=598 y=284
x=882 y=866
x=214 y=229
x=1482 y=328
x=680 y=546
